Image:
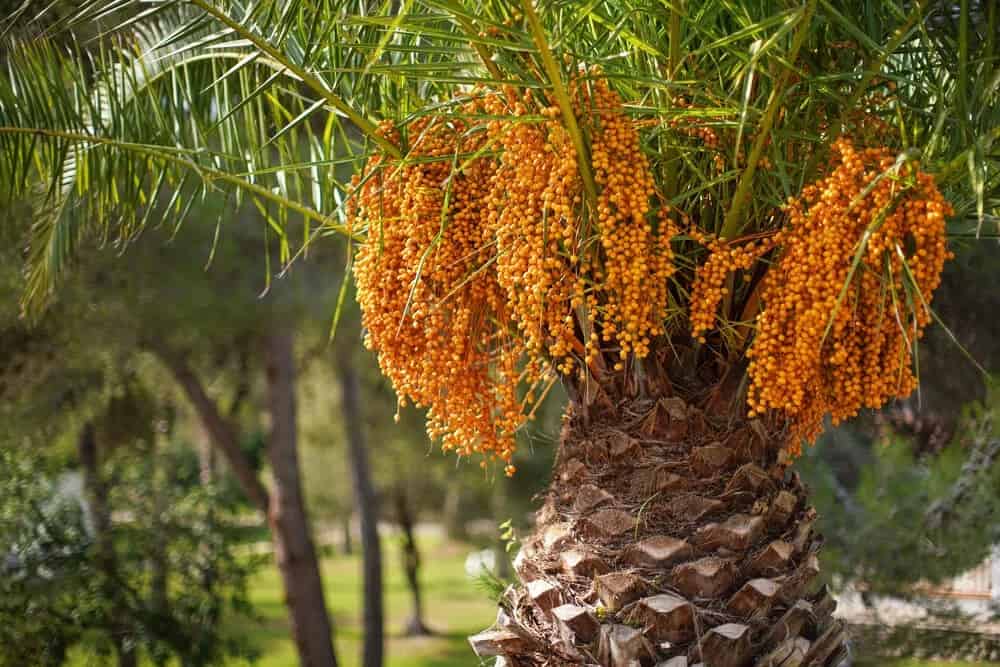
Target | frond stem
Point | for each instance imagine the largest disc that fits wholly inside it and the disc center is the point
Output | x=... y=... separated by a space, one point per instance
x=734 y=217
x=312 y=81
x=175 y=156
x=481 y=50
x=562 y=99
x=673 y=66
x=890 y=48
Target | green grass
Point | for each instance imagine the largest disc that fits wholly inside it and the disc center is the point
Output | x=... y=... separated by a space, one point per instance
x=454 y=608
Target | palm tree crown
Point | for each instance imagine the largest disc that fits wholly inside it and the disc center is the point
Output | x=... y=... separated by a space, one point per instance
x=733 y=109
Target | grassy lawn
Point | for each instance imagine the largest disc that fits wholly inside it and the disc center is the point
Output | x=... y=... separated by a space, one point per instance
x=454 y=607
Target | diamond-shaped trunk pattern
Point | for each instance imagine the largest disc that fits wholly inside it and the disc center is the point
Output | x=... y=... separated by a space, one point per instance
x=669 y=536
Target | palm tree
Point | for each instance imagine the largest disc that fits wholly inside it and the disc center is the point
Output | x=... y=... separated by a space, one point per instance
x=675 y=529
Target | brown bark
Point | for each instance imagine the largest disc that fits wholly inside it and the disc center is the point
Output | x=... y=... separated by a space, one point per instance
x=670 y=535
x=220 y=430
x=347 y=547
x=367 y=506
x=294 y=550
x=411 y=563
x=96 y=490
x=285 y=510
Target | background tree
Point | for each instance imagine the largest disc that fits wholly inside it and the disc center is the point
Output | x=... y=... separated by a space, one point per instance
x=207 y=329
x=640 y=210
x=75 y=577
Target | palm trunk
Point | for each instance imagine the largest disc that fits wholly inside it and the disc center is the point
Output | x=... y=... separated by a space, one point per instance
x=411 y=563
x=294 y=550
x=96 y=490
x=671 y=534
x=367 y=507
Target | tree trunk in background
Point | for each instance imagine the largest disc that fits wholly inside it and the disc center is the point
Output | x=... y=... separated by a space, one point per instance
x=451 y=513
x=672 y=533
x=410 y=553
x=294 y=550
x=220 y=430
x=207 y=460
x=345 y=528
x=96 y=491
x=366 y=504
x=290 y=536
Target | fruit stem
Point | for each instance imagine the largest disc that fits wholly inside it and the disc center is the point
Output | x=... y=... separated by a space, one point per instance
x=562 y=99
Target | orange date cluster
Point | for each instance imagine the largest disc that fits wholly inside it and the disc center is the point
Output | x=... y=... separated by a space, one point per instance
x=485 y=273
x=860 y=258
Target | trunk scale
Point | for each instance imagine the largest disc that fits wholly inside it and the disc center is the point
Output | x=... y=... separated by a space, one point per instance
x=672 y=535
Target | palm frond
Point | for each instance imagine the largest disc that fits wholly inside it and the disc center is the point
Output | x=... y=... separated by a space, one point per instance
x=266 y=101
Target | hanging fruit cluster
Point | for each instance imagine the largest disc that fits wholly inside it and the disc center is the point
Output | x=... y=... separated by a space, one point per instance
x=427 y=310
x=861 y=255
x=710 y=287
x=631 y=270
x=485 y=273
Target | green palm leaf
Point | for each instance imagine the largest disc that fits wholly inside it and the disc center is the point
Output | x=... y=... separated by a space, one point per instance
x=268 y=101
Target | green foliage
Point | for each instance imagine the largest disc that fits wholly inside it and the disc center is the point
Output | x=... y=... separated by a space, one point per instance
x=882 y=498
x=54 y=593
x=48 y=590
x=263 y=101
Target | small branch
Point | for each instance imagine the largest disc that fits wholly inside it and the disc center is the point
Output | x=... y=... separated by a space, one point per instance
x=223 y=436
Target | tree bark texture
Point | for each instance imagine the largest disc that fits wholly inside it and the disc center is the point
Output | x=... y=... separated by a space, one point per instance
x=672 y=534
x=294 y=549
x=96 y=490
x=410 y=554
x=367 y=507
